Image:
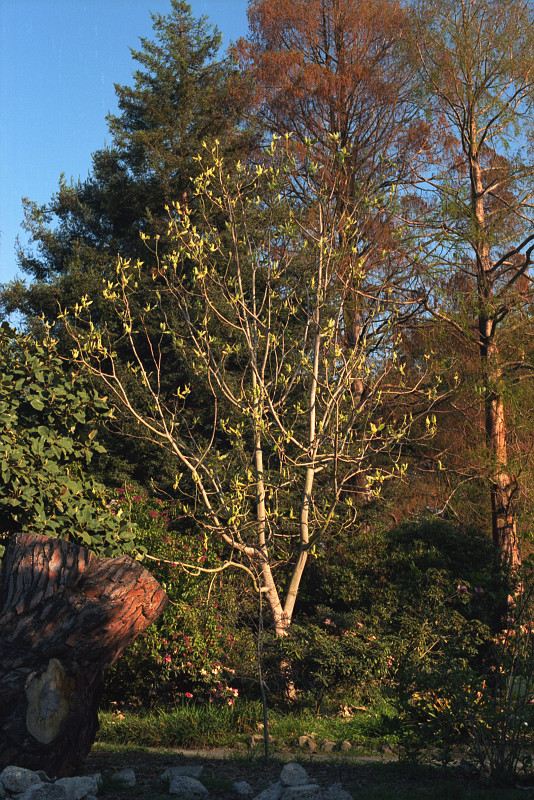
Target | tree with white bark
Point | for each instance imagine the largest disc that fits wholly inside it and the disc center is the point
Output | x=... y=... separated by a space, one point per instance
x=254 y=298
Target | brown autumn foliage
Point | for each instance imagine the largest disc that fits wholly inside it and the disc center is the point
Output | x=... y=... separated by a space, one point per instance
x=331 y=74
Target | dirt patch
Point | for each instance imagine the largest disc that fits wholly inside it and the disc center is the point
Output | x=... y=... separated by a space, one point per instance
x=222 y=767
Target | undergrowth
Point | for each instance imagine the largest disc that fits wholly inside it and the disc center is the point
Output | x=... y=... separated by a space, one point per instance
x=189 y=725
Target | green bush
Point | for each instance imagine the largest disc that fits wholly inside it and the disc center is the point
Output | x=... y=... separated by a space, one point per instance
x=48 y=419
x=480 y=698
x=385 y=629
x=378 y=607
x=189 y=653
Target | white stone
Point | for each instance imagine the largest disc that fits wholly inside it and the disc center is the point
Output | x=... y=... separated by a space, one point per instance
x=187 y=788
x=18 y=779
x=126 y=778
x=273 y=792
x=294 y=775
x=44 y=791
x=242 y=788
x=78 y=788
x=190 y=771
x=336 y=792
x=308 y=791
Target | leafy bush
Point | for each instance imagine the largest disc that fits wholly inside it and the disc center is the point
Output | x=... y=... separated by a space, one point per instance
x=48 y=415
x=484 y=702
x=190 y=652
x=379 y=606
x=326 y=659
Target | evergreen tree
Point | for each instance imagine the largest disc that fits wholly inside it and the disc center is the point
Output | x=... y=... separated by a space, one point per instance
x=182 y=96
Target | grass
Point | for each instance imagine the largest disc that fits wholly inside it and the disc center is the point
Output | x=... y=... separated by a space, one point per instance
x=189 y=725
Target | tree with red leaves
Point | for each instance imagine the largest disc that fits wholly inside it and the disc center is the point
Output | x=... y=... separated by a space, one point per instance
x=332 y=75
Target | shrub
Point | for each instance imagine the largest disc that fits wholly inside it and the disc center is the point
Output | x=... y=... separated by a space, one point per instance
x=485 y=701
x=392 y=599
x=48 y=419
x=188 y=653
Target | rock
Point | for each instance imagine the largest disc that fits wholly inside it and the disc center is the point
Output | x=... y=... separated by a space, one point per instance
x=345 y=746
x=306 y=741
x=186 y=770
x=273 y=792
x=18 y=779
x=336 y=792
x=242 y=788
x=78 y=788
x=294 y=784
x=125 y=778
x=328 y=746
x=294 y=775
x=44 y=791
x=308 y=791
x=187 y=788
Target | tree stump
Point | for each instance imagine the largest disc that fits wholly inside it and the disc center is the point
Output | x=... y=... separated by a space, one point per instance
x=65 y=617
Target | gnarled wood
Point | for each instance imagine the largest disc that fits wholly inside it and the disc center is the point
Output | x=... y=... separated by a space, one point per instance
x=65 y=617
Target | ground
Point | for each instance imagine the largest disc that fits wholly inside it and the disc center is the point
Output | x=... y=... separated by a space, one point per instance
x=379 y=777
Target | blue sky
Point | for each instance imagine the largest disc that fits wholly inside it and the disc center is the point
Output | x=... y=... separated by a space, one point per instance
x=59 y=60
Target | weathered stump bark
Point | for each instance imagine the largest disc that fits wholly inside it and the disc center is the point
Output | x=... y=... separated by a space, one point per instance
x=65 y=617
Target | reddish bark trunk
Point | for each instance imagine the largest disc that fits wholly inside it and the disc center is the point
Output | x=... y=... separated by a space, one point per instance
x=65 y=617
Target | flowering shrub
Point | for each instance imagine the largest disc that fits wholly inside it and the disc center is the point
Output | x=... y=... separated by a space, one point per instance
x=485 y=700
x=186 y=654
x=378 y=607
x=328 y=657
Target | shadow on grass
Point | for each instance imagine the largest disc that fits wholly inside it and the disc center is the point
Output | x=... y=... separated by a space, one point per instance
x=365 y=777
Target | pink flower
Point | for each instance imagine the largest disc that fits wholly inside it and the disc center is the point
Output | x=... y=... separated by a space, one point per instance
x=188 y=695
x=230 y=701
x=167 y=660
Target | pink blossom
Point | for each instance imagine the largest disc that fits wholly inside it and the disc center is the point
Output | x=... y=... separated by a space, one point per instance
x=230 y=701
x=167 y=660
x=188 y=695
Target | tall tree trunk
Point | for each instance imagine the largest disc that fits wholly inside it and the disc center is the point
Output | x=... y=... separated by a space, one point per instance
x=503 y=486
x=503 y=489
x=65 y=617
